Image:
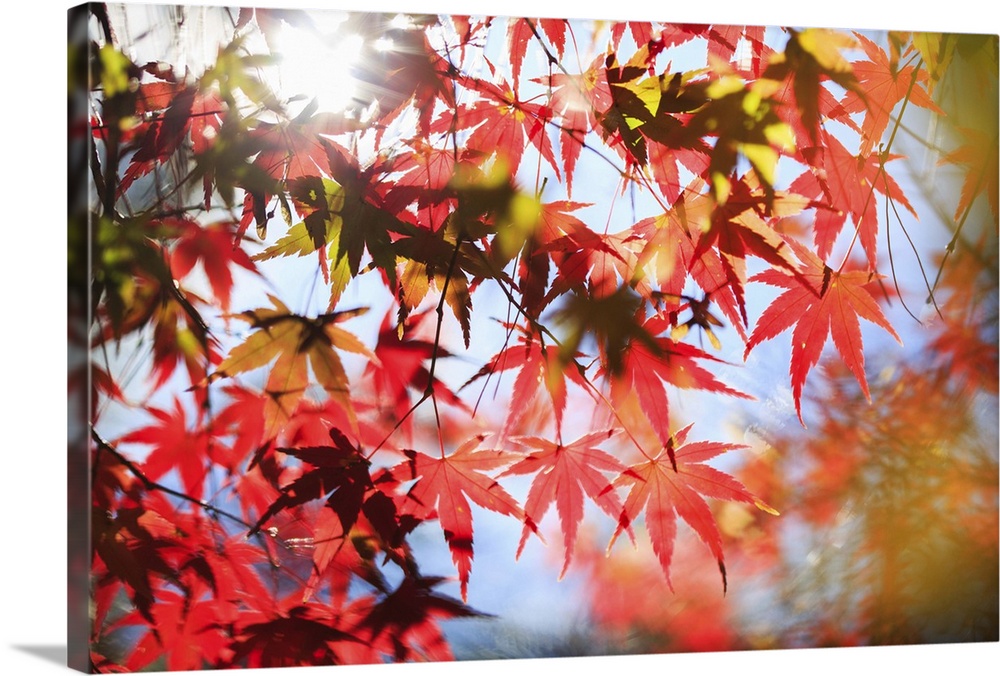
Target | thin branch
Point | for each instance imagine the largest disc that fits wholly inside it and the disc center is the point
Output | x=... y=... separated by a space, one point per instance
x=889 y=201
x=429 y=390
x=946 y=218
x=961 y=224
x=919 y=138
x=882 y=156
x=154 y=486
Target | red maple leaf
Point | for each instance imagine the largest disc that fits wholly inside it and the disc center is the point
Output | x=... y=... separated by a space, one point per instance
x=723 y=40
x=596 y=264
x=176 y=447
x=212 y=245
x=830 y=305
x=293 y=148
x=669 y=256
x=339 y=473
x=411 y=74
x=162 y=139
x=641 y=31
x=577 y=99
x=243 y=418
x=404 y=623
x=665 y=490
x=649 y=365
x=667 y=162
x=978 y=154
x=884 y=86
x=563 y=474
x=311 y=422
x=230 y=566
x=519 y=34
x=295 y=633
x=401 y=366
x=501 y=123
x=846 y=180
x=180 y=335
x=128 y=553
x=537 y=365
x=555 y=31
x=331 y=558
x=189 y=634
x=710 y=244
x=289 y=150
x=555 y=221
x=444 y=487
x=173 y=111
x=741 y=227
x=424 y=176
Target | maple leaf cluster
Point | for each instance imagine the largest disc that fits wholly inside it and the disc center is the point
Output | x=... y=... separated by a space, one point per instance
x=263 y=514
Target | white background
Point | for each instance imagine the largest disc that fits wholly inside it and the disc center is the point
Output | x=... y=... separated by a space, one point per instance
x=33 y=335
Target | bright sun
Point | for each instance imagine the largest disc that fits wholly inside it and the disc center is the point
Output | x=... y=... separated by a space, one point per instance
x=318 y=64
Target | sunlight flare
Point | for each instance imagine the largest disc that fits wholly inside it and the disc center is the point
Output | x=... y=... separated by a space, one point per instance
x=318 y=63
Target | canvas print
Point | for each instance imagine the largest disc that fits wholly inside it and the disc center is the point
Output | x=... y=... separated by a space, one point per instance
x=407 y=337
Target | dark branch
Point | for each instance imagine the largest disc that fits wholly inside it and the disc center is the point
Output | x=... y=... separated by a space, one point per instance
x=154 y=486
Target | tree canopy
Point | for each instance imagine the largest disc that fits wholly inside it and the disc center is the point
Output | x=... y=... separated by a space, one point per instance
x=610 y=281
